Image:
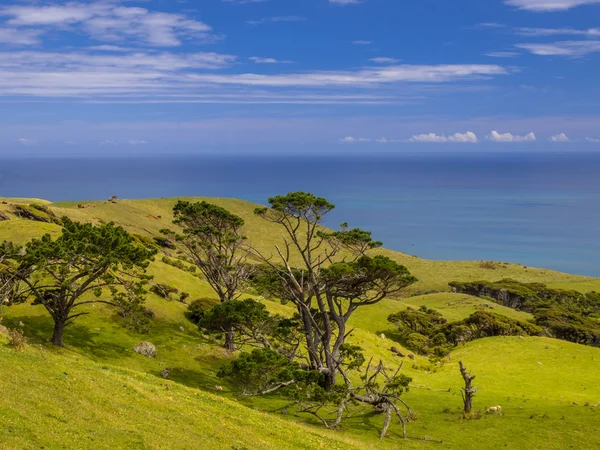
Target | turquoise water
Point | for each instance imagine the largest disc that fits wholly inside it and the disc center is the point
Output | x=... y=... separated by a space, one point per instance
x=539 y=209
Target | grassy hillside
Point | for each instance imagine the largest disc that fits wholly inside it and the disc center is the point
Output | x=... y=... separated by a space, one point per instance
x=148 y=217
x=99 y=389
x=59 y=400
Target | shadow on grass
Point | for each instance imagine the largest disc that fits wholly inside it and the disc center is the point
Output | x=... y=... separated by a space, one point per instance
x=38 y=330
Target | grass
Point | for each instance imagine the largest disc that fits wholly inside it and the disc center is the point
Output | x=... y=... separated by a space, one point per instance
x=52 y=399
x=98 y=393
x=149 y=216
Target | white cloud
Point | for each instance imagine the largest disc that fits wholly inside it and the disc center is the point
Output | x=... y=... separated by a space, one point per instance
x=382 y=140
x=363 y=77
x=345 y=2
x=352 y=140
x=594 y=140
x=549 y=5
x=106 y=21
x=276 y=19
x=110 y=48
x=243 y=2
x=508 y=137
x=259 y=60
x=17 y=36
x=502 y=54
x=138 y=142
x=534 y=32
x=463 y=138
x=562 y=137
x=362 y=42
x=563 y=48
x=491 y=25
x=25 y=141
x=84 y=73
x=383 y=60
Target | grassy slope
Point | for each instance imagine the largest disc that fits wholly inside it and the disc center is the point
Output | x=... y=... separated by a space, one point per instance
x=50 y=400
x=504 y=367
x=149 y=216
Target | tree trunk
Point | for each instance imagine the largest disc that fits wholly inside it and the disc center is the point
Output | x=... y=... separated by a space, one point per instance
x=468 y=392
x=59 y=329
x=230 y=340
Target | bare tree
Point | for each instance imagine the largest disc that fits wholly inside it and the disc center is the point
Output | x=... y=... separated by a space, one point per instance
x=468 y=392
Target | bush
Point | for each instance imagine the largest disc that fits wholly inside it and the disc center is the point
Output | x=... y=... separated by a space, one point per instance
x=198 y=308
x=163 y=290
x=17 y=340
x=437 y=337
x=567 y=315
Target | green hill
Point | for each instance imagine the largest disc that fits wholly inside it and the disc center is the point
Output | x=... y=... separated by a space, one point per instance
x=98 y=393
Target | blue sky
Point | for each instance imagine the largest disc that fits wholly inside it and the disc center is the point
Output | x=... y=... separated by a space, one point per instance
x=289 y=76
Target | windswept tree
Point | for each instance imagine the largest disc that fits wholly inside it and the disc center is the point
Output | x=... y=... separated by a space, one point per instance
x=8 y=280
x=212 y=238
x=87 y=264
x=326 y=275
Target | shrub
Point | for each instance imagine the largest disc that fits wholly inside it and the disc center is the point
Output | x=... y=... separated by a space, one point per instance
x=17 y=340
x=198 y=308
x=163 y=290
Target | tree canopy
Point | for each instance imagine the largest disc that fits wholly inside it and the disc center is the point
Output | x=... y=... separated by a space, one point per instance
x=79 y=268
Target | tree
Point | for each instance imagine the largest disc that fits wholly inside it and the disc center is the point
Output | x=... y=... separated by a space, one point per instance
x=78 y=268
x=212 y=238
x=468 y=392
x=8 y=281
x=333 y=277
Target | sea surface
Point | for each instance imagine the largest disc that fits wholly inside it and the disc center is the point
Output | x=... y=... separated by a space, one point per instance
x=537 y=209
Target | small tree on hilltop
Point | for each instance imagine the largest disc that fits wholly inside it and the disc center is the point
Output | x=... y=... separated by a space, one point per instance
x=326 y=275
x=212 y=238
x=79 y=268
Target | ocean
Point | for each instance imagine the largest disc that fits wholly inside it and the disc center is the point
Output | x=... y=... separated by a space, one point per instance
x=537 y=209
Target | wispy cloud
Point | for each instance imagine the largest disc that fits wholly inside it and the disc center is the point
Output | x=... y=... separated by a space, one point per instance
x=107 y=21
x=594 y=140
x=16 y=36
x=534 y=32
x=384 y=60
x=502 y=54
x=549 y=5
x=561 y=137
x=463 y=138
x=362 y=42
x=508 y=137
x=243 y=2
x=259 y=60
x=345 y=2
x=276 y=19
x=25 y=141
x=352 y=140
x=563 y=48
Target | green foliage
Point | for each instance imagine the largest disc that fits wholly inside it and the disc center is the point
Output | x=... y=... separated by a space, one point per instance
x=425 y=331
x=569 y=325
x=259 y=371
x=212 y=238
x=299 y=205
x=39 y=213
x=164 y=290
x=198 y=308
x=237 y=314
x=179 y=264
x=565 y=314
x=79 y=268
